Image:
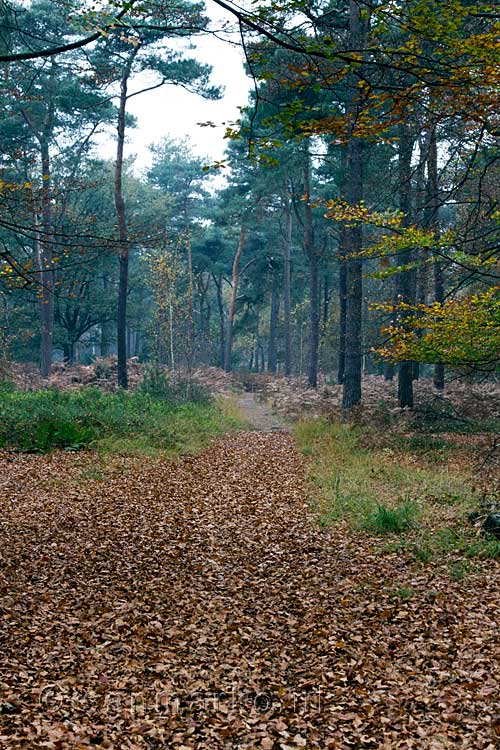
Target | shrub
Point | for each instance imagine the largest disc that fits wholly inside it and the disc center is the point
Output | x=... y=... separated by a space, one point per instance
x=38 y=421
x=156 y=383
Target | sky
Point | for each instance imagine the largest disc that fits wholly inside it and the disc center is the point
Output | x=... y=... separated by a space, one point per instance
x=173 y=111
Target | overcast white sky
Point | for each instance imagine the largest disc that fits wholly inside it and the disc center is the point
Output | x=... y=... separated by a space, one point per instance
x=171 y=110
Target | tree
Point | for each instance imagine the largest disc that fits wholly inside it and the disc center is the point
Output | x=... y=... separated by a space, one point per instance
x=181 y=175
x=45 y=102
x=353 y=234
x=146 y=48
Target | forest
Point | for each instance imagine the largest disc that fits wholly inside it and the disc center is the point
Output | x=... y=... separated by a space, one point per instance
x=250 y=398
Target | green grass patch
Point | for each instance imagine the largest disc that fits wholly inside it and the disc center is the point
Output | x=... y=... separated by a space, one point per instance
x=125 y=422
x=371 y=486
x=392 y=520
x=459 y=546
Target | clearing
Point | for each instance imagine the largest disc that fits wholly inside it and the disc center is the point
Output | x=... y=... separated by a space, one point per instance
x=197 y=603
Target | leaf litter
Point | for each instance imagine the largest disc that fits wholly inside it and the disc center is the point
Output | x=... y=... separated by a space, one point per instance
x=197 y=604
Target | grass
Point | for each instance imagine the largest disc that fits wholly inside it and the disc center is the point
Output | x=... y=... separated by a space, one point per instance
x=387 y=485
x=126 y=422
x=449 y=541
x=360 y=484
x=435 y=449
x=392 y=520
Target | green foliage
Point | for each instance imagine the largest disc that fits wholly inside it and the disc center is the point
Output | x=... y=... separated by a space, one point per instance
x=450 y=542
x=39 y=421
x=466 y=542
x=463 y=333
x=157 y=385
x=459 y=569
x=392 y=520
x=422 y=552
x=353 y=479
x=427 y=443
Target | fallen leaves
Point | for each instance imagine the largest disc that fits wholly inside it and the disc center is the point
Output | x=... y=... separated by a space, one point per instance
x=197 y=604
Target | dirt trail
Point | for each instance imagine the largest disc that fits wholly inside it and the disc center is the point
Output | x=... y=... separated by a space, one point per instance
x=259 y=415
x=198 y=605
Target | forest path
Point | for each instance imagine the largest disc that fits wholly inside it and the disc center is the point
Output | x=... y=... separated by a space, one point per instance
x=198 y=605
x=259 y=415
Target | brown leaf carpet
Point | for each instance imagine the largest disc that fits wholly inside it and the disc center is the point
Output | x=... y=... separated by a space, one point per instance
x=198 y=604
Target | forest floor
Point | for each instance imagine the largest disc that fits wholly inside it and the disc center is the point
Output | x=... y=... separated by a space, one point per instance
x=198 y=603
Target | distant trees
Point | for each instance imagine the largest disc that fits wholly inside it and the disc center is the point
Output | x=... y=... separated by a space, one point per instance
x=359 y=222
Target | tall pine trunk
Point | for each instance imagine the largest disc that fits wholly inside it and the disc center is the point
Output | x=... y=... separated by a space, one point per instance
x=205 y=313
x=406 y=280
x=123 y=249
x=272 y=352
x=44 y=234
x=220 y=308
x=232 y=303
x=433 y=190
x=353 y=234
x=421 y=254
x=341 y=254
x=342 y=310
x=287 y=305
x=354 y=300
x=313 y=262
x=47 y=280
x=189 y=253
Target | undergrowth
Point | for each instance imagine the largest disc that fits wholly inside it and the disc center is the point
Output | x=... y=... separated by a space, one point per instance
x=129 y=422
x=414 y=492
x=356 y=481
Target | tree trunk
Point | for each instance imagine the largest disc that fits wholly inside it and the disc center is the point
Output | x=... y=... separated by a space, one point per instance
x=171 y=331
x=272 y=354
x=421 y=254
x=260 y=349
x=106 y=325
x=47 y=279
x=220 y=307
x=190 y=355
x=389 y=367
x=326 y=301
x=389 y=372
x=287 y=305
x=433 y=189
x=204 y=313
x=123 y=250
x=342 y=305
x=312 y=372
x=68 y=352
x=353 y=234
x=232 y=304
x=406 y=279
x=44 y=238
x=312 y=257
